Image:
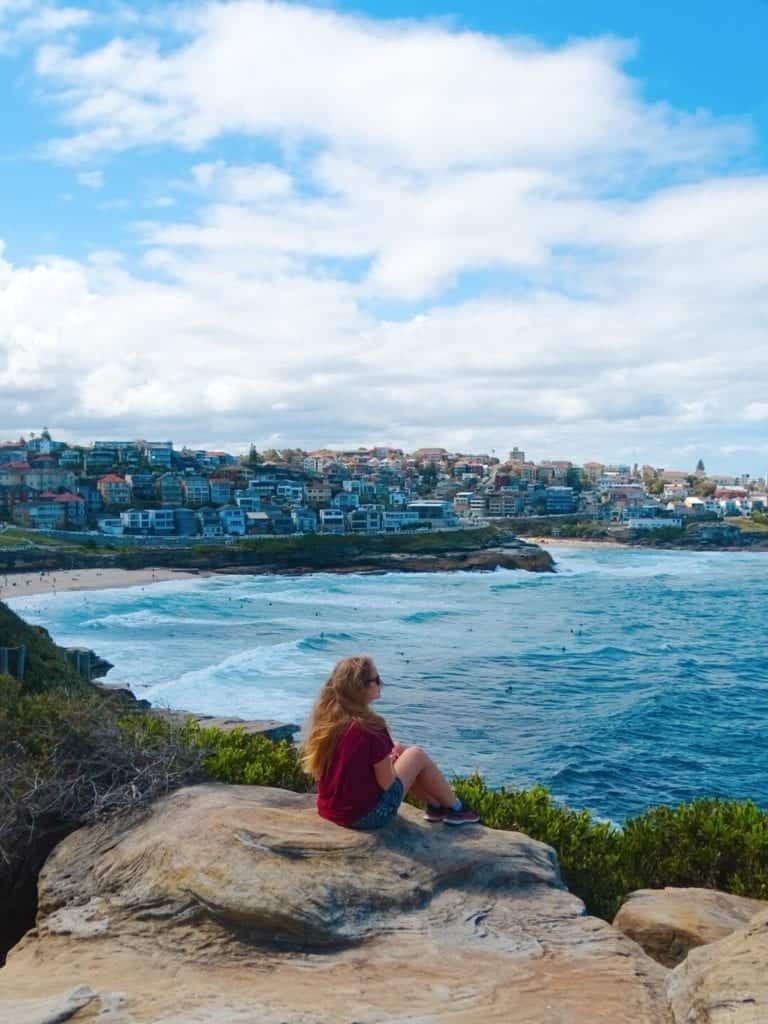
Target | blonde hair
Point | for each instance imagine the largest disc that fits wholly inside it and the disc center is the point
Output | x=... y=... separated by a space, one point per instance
x=341 y=701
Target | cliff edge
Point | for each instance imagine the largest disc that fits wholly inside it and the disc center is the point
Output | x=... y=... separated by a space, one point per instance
x=239 y=904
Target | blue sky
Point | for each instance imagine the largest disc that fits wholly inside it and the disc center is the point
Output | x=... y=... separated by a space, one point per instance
x=482 y=225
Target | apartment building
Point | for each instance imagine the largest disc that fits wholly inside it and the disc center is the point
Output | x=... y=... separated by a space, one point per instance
x=114 y=490
x=331 y=520
x=196 y=491
x=168 y=487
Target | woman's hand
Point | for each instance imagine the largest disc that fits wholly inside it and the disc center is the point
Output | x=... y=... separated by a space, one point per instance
x=396 y=751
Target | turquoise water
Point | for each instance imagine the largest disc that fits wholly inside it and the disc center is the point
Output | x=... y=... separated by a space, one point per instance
x=627 y=679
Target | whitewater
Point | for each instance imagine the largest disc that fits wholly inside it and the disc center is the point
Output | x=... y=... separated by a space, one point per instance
x=628 y=678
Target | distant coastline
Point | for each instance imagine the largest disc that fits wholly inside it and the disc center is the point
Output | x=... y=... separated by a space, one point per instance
x=484 y=548
x=646 y=544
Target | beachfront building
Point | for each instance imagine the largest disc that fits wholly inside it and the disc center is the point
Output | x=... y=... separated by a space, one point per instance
x=114 y=490
x=366 y=519
x=439 y=513
x=561 y=500
x=233 y=520
x=304 y=520
x=210 y=523
x=41 y=514
x=135 y=520
x=73 y=507
x=331 y=520
x=654 y=522
x=394 y=522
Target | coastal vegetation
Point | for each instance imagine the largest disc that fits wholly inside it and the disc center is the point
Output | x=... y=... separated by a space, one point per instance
x=23 y=550
x=71 y=754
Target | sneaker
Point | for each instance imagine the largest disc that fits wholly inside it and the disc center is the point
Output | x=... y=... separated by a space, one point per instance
x=466 y=816
x=436 y=813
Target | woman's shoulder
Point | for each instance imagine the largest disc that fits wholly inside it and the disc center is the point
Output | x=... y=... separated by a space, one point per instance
x=364 y=730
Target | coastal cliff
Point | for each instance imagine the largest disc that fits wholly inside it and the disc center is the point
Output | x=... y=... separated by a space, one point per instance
x=512 y=555
x=231 y=903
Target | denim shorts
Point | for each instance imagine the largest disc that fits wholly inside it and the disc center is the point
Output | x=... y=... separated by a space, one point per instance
x=386 y=808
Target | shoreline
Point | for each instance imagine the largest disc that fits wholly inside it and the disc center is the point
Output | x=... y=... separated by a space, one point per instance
x=522 y=556
x=575 y=542
x=33 y=584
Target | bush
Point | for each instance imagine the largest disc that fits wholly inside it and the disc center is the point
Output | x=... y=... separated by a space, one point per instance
x=68 y=759
x=712 y=844
x=46 y=664
x=243 y=758
x=588 y=851
x=717 y=844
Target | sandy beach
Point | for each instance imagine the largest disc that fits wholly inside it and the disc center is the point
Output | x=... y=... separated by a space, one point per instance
x=572 y=542
x=24 y=584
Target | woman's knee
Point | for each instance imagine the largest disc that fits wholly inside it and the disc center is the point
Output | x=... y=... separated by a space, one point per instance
x=410 y=764
x=417 y=755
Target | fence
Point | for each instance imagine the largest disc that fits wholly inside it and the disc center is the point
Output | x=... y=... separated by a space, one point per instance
x=13 y=661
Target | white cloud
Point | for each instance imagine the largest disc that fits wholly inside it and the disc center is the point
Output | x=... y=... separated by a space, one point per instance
x=24 y=21
x=455 y=238
x=406 y=94
x=91 y=179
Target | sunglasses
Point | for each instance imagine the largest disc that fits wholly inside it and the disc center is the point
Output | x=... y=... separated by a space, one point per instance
x=376 y=679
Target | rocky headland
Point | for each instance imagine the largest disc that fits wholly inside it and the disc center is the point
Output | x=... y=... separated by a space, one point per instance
x=437 y=551
x=512 y=555
x=239 y=904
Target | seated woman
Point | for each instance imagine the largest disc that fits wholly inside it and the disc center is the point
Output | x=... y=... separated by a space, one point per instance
x=362 y=774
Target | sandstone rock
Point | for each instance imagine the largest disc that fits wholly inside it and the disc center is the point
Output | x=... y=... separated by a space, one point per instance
x=725 y=982
x=50 y=1010
x=267 y=727
x=669 y=922
x=239 y=904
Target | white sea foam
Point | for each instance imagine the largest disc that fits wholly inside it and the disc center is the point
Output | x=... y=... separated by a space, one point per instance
x=515 y=673
x=267 y=681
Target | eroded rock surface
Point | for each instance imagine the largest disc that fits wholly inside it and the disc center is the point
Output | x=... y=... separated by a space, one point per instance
x=725 y=982
x=669 y=922
x=239 y=904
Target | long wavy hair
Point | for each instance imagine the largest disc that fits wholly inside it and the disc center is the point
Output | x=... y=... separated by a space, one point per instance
x=341 y=701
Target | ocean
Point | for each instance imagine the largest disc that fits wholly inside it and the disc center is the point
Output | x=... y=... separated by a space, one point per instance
x=626 y=679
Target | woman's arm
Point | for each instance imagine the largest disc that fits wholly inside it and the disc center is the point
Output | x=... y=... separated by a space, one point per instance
x=384 y=771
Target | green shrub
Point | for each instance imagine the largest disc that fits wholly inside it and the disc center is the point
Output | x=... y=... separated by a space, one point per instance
x=243 y=758
x=713 y=844
x=10 y=689
x=588 y=851
x=717 y=844
x=46 y=664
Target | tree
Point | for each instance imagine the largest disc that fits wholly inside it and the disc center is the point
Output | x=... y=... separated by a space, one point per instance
x=253 y=456
x=700 y=471
x=428 y=474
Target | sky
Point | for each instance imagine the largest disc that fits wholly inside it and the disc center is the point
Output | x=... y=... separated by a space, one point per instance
x=540 y=224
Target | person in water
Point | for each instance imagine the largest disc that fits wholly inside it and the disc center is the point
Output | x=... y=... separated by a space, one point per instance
x=362 y=774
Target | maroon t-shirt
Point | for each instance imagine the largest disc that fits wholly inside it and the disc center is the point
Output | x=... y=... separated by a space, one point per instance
x=349 y=789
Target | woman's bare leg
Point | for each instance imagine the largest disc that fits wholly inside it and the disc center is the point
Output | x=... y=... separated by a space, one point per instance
x=421 y=794
x=420 y=775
